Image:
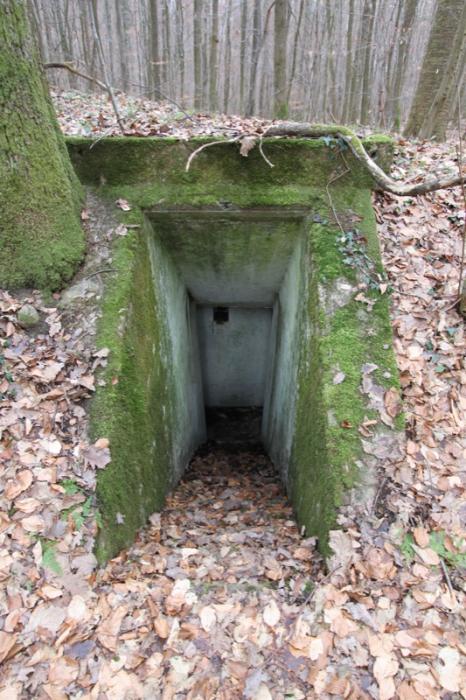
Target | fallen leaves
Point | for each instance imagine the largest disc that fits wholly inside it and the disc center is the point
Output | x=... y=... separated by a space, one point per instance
x=220 y=594
x=7 y=643
x=109 y=629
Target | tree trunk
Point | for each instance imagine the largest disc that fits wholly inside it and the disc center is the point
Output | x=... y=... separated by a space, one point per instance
x=154 y=47
x=213 y=100
x=434 y=66
x=349 y=67
x=242 y=54
x=442 y=107
x=256 y=45
x=197 y=52
x=226 y=87
x=295 y=51
x=41 y=241
x=409 y=13
x=368 y=24
x=280 y=108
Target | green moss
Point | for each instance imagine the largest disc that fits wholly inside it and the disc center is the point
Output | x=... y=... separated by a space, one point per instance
x=131 y=410
x=161 y=162
x=327 y=445
x=41 y=241
x=136 y=411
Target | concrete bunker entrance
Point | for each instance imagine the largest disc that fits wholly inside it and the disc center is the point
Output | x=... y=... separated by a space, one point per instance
x=205 y=251
x=230 y=282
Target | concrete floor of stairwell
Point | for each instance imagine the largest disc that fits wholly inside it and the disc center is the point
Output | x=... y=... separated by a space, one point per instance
x=228 y=576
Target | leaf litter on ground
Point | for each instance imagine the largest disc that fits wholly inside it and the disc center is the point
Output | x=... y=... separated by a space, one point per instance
x=220 y=596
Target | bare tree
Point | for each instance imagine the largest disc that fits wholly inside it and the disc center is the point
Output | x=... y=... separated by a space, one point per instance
x=280 y=109
x=434 y=67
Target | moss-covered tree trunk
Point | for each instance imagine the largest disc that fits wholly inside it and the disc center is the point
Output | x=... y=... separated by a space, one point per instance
x=41 y=240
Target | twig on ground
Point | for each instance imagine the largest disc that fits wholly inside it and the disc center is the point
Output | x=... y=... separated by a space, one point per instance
x=378 y=494
x=448 y=580
x=99 y=272
x=332 y=206
x=102 y=136
x=320 y=584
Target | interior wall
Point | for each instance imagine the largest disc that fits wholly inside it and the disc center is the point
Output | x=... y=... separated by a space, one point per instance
x=282 y=386
x=187 y=418
x=234 y=355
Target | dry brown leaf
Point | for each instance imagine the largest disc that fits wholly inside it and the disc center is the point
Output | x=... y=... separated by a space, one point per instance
x=427 y=555
x=109 y=629
x=208 y=618
x=421 y=536
x=34 y=523
x=21 y=482
x=7 y=642
x=271 y=614
x=161 y=627
x=449 y=669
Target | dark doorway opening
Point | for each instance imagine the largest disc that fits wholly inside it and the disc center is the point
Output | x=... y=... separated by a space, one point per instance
x=234 y=428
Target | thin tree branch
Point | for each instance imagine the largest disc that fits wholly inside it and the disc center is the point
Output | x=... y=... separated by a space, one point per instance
x=71 y=68
x=207 y=145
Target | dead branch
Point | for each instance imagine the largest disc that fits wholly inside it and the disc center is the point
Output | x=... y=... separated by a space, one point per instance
x=383 y=181
x=207 y=145
x=72 y=69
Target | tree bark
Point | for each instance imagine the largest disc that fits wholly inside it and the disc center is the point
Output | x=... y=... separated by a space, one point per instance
x=41 y=241
x=242 y=54
x=280 y=107
x=226 y=86
x=368 y=24
x=442 y=106
x=434 y=66
x=213 y=99
x=154 y=48
x=256 y=46
x=197 y=51
x=409 y=13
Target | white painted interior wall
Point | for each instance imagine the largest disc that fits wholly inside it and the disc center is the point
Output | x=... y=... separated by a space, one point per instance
x=234 y=355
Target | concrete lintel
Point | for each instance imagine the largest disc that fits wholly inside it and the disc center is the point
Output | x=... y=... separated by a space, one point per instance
x=229 y=212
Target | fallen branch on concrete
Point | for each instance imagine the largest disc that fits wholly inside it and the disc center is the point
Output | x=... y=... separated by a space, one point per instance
x=302 y=130
x=384 y=181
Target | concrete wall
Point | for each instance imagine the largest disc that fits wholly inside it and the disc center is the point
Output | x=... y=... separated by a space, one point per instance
x=178 y=312
x=235 y=232
x=234 y=355
x=282 y=388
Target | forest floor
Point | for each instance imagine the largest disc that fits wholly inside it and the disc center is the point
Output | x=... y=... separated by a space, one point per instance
x=220 y=597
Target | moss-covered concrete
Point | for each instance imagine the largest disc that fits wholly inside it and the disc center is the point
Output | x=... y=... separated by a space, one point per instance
x=339 y=327
x=132 y=409
x=41 y=241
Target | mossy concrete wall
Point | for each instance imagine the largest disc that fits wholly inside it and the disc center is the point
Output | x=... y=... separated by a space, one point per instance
x=150 y=407
x=331 y=320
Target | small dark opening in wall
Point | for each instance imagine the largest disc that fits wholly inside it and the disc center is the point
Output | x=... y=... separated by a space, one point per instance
x=221 y=314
